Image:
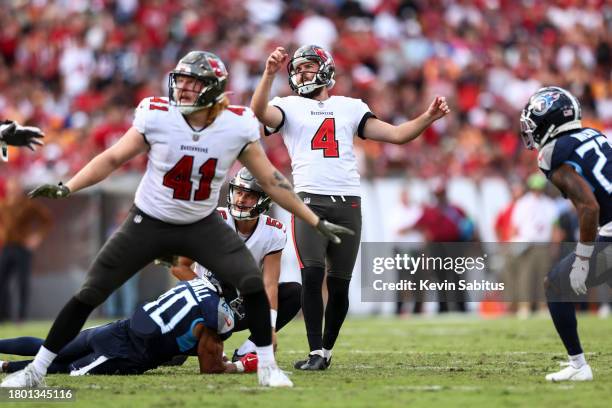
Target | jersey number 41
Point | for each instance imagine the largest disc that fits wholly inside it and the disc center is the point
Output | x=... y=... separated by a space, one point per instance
x=178 y=178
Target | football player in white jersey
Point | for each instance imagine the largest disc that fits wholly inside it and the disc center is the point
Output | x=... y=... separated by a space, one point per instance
x=191 y=139
x=265 y=237
x=318 y=130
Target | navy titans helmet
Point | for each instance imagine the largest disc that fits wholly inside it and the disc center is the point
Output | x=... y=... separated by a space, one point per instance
x=550 y=111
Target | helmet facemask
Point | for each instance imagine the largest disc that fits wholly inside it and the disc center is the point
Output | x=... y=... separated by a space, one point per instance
x=204 y=67
x=202 y=101
x=243 y=213
x=322 y=77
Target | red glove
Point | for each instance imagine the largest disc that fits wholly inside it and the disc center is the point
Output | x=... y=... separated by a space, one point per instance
x=247 y=364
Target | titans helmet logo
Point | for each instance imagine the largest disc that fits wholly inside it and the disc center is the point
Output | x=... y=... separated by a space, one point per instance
x=542 y=102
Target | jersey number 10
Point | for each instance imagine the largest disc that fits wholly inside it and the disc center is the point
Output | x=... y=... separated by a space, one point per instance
x=178 y=178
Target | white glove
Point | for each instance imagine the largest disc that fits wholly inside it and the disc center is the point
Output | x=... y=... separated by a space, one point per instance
x=578 y=275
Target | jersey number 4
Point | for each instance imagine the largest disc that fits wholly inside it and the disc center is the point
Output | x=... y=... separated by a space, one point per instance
x=178 y=178
x=325 y=138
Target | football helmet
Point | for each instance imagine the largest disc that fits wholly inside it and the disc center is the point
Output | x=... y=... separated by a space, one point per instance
x=550 y=111
x=203 y=66
x=245 y=181
x=324 y=75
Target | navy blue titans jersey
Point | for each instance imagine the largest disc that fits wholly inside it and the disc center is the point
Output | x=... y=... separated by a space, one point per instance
x=166 y=324
x=588 y=151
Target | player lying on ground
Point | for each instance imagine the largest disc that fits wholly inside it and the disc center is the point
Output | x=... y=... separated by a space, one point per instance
x=191 y=139
x=190 y=319
x=578 y=161
x=265 y=238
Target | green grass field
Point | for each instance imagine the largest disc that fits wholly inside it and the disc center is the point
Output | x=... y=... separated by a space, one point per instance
x=448 y=361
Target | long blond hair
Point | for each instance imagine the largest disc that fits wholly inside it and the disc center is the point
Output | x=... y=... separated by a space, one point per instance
x=216 y=110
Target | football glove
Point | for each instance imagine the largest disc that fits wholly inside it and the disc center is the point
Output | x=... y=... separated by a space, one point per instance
x=16 y=135
x=578 y=275
x=50 y=191
x=330 y=230
x=247 y=364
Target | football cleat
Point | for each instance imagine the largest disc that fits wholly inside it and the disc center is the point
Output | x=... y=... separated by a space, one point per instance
x=570 y=373
x=313 y=363
x=272 y=376
x=26 y=378
x=237 y=357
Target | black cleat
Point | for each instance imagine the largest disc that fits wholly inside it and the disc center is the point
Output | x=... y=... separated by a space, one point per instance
x=315 y=362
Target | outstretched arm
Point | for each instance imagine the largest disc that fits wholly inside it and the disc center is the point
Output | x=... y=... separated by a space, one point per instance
x=130 y=145
x=270 y=116
x=377 y=129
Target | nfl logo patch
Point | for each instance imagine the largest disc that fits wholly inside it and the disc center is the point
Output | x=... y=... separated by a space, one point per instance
x=568 y=112
x=195 y=137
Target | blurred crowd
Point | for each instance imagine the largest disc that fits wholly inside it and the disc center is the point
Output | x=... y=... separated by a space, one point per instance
x=77 y=69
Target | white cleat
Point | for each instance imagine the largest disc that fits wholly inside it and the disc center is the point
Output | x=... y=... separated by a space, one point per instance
x=272 y=376
x=570 y=373
x=26 y=378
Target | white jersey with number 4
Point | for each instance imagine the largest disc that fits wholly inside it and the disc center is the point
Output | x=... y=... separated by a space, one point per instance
x=187 y=167
x=319 y=137
x=268 y=237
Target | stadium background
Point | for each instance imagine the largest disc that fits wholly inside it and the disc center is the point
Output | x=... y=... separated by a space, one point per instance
x=78 y=68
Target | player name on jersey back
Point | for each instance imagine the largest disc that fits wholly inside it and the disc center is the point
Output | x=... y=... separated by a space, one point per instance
x=187 y=166
x=319 y=137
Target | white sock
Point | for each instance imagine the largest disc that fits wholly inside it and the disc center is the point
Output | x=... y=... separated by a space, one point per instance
x=265 y=356
x=317 y=352
x=327 y=354
x=43 y=360
x=247 y=347
x=578 y=360
x=2 y=366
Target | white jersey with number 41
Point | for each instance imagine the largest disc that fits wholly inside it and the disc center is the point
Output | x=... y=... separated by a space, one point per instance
x=319 y=137
x=187 y=166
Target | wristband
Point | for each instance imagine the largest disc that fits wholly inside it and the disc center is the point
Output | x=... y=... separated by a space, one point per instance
x=584 y=250
x=273 y=314
x=239 y=366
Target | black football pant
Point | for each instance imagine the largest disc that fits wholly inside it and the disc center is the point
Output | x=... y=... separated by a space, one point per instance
x=288 y=306
x=314 y=253
x=141 y=239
